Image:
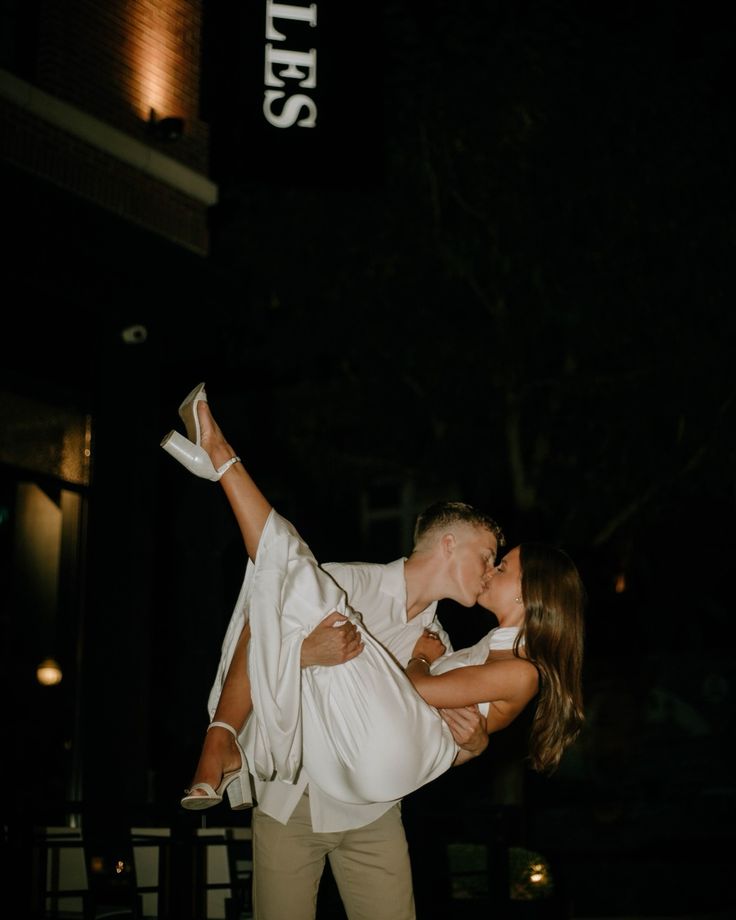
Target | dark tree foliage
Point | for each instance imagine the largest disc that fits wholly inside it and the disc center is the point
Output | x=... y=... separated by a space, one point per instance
x=532 y=301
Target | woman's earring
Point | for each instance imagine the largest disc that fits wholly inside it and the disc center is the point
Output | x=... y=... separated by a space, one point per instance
x=518 y=600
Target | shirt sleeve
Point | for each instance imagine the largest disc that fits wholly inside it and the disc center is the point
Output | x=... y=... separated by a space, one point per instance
x=343 y=574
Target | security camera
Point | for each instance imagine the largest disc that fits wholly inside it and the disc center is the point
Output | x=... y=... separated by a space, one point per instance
x=134 y=335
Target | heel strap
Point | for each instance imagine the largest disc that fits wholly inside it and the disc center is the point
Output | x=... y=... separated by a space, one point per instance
x=223 y=725
x=220 y=471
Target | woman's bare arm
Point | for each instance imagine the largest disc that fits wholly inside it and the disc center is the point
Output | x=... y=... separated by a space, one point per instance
x=508 y=684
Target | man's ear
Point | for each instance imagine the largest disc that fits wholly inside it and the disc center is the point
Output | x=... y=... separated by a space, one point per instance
x=448 y=544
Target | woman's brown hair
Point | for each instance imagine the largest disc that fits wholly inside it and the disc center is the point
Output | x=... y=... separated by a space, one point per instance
x=554 y=599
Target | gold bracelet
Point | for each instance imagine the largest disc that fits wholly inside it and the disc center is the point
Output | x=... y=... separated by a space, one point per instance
x=419 y=658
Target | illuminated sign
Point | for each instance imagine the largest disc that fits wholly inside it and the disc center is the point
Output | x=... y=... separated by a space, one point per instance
x=294 y=73
x=293 y=92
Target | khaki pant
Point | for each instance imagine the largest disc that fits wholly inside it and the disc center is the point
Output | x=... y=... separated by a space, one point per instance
x=370 y=865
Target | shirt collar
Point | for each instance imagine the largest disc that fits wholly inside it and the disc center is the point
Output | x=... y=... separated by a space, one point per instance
x=393 y=583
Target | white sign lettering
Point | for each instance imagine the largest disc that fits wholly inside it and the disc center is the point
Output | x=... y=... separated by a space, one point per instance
x=282 y=65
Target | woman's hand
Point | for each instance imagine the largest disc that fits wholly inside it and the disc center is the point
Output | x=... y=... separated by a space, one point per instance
x=428 y=646
x=468 y=728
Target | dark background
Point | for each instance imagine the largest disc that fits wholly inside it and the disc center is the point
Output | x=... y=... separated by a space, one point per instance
x=504 y=275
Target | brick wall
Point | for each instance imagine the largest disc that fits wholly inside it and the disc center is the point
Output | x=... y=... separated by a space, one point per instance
x=118 y=59
x=115 y=60
x=83 y=170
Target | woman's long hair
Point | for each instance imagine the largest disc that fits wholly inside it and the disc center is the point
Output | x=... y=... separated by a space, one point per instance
x=554 y=598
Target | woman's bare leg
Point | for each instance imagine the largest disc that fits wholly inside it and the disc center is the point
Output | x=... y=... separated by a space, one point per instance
x=250 y=506
x=219 y=752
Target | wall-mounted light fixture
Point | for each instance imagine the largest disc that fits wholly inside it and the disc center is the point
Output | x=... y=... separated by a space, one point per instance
x=48 y=673
x=167 y=129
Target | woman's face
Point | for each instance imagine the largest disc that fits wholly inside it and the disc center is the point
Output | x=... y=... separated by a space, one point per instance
x=504 y=587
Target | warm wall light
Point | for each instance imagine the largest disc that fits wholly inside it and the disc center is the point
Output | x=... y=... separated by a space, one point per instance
x=48 y=673
x=169 y=129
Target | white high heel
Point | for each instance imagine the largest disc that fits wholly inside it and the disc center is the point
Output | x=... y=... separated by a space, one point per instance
x=236 y=783
x=188 y=451
x=194 y=457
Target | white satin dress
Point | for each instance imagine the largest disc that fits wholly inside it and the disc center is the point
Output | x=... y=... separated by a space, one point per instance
x=502 y=637
x=360 y=729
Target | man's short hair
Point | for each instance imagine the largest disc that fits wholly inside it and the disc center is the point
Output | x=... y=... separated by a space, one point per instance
x=442 y=515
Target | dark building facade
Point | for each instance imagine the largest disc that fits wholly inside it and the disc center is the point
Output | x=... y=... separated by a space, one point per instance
x=104 y=171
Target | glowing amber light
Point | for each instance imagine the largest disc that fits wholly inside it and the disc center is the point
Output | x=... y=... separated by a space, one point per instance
x=48 y=673
x=530 y=877
x=162 y=60
x=537 y=874
x=620 y=583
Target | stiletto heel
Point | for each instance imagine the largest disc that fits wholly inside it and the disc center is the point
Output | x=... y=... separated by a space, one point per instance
x=236 y=783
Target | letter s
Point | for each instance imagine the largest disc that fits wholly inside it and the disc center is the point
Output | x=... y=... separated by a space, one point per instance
x=290 y=111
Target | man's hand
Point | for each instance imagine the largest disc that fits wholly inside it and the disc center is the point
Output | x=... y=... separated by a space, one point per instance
x=330 y=644
x=468 y=728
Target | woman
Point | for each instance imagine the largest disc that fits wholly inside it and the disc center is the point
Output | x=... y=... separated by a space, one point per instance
x=364 y=732
x=536 y=590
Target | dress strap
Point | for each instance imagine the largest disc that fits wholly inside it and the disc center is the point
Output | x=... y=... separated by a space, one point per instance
x=502 y=637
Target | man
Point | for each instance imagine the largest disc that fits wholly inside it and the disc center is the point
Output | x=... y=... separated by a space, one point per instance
x=296 y=826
